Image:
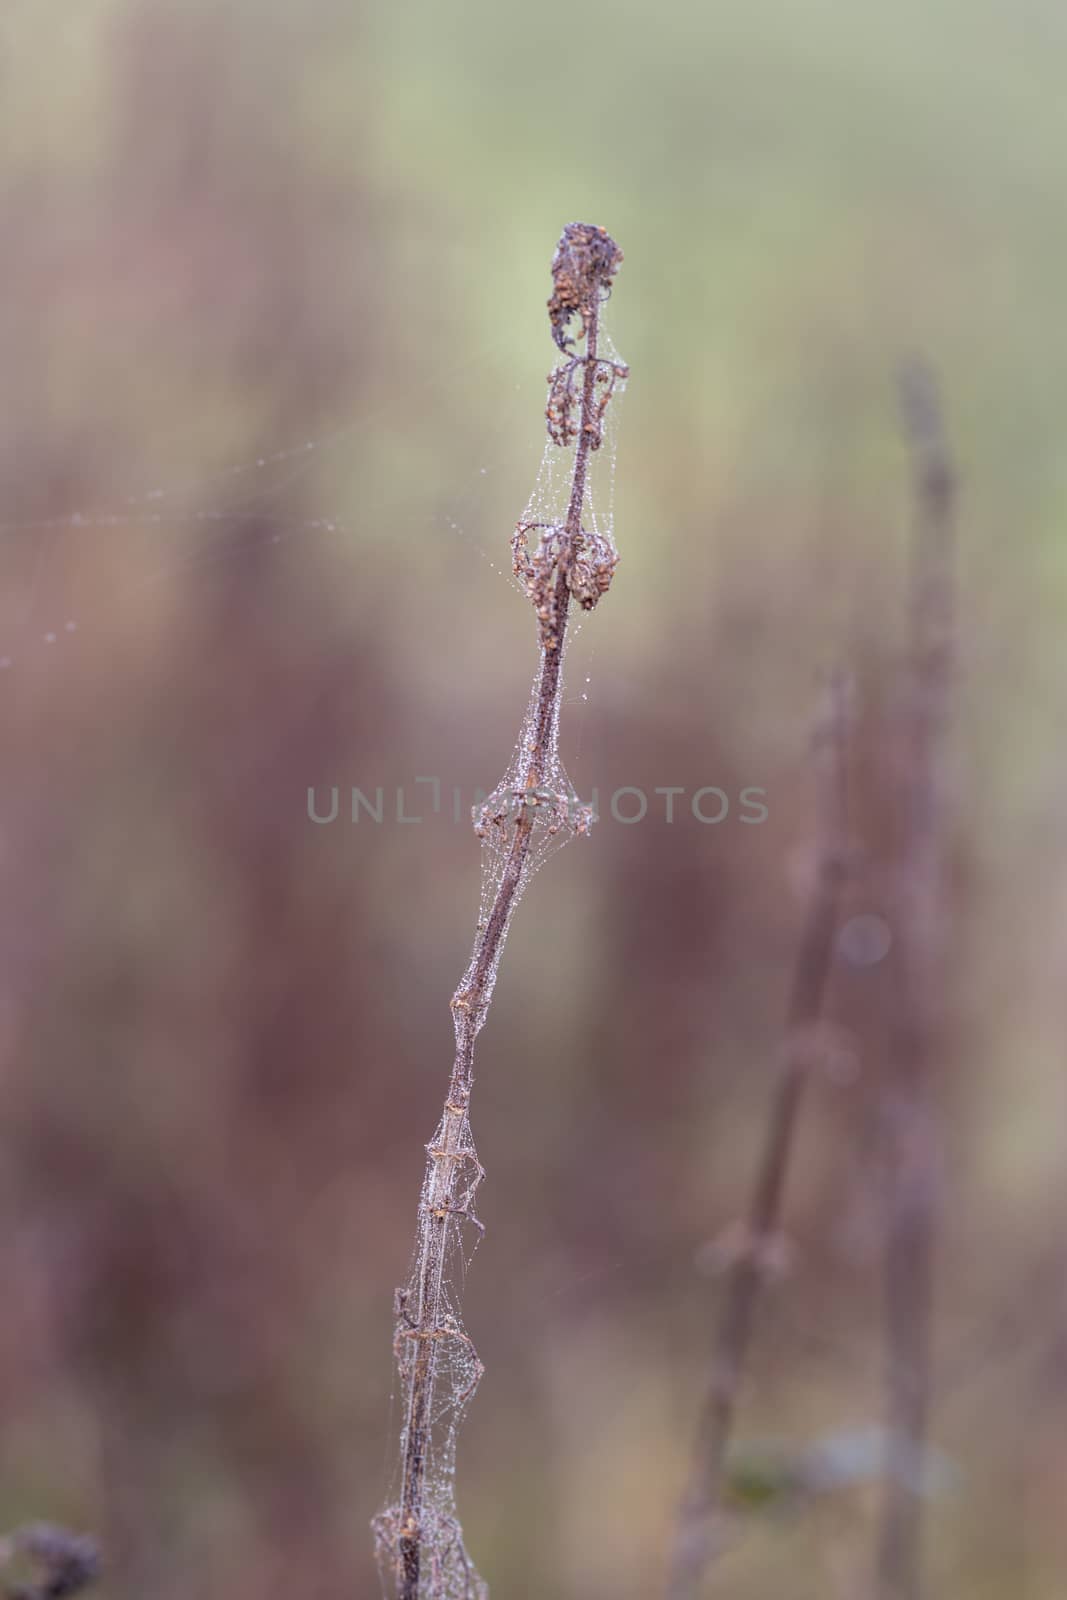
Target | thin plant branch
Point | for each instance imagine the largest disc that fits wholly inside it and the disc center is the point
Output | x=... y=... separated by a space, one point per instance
x=907 y=1119
x=697 y=1530
x=419 y=1540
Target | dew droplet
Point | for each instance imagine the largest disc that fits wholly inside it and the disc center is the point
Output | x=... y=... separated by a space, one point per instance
x=864 y=940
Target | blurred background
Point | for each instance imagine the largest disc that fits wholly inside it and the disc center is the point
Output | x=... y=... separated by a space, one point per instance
x=273 y=346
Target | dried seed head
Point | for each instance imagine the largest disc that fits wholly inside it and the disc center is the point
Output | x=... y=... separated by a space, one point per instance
x=565 y=398
x=587 y=564
x=583 y=266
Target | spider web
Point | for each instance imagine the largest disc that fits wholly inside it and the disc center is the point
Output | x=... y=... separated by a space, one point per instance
x=202 y=521
x=558 y=814
x=214 y=518
x=531 y=813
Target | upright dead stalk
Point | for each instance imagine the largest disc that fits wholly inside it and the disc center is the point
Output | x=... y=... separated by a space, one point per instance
x=419 y=1540
x=697 y=1526
x=907 y=1120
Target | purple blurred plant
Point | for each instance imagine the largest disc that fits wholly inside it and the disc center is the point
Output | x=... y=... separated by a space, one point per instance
x=756 y=1251
x=908 y=1122
x=64 y=1563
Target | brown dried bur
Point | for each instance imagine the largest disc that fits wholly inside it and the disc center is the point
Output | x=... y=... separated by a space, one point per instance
x=569 y=559
x=585 y=565
x=586 y=260
x=565 y=396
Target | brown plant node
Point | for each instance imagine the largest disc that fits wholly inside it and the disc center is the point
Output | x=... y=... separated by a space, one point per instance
x=586 y=260
x=584 y=566
x=565 y=398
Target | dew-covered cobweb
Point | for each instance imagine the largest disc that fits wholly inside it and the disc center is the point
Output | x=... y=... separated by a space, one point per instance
x=185 y=525
x=203 y=524
x=530 y=814
x=543 y=788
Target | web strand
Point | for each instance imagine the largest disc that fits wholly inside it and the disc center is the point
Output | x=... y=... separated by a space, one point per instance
x=562 y=557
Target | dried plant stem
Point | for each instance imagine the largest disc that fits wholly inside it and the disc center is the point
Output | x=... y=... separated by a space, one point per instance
x=696 y=1529
x=469 y=1004
x=909 y=1133
x=421 y=1546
